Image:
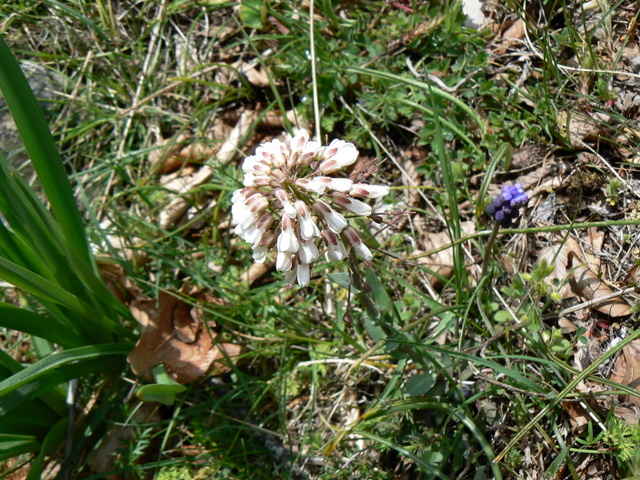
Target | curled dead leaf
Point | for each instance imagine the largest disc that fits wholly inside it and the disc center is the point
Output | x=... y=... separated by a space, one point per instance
x=627 y=370
x=590 y=286
x=575 y=269
x=174 y=333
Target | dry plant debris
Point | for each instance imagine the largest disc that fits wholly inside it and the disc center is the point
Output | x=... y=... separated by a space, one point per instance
x=175 y=333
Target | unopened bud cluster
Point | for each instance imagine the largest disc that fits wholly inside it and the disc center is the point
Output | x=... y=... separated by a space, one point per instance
x=291 y=201
x=506 y=207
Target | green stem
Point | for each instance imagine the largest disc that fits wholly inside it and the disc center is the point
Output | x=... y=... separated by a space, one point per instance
x=488 y=248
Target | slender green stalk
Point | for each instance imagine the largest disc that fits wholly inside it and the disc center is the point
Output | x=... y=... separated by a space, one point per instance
x=488 y=248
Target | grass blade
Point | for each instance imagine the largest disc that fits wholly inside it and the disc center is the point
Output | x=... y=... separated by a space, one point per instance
x=42 y=150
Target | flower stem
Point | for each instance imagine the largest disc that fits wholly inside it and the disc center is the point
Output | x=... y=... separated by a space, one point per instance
x=487 y=249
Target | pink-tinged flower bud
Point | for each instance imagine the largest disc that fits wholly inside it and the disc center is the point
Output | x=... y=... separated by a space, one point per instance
x=337 y=155
x=299 y=140
x=356 y=242
x=245 y=212
x=260 y=251
x=242 y=194
x=336 y=184
x=311 y=185
x=368 y=191
x=308 y=228
x=272 y=153
x=286 y=205
x=335 y=221
x=254 y=164
x=336 y=250
x=348 y=203
x=287 y=240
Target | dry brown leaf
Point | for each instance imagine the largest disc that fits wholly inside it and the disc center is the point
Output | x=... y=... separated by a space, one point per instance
x=589 y=286
x=516 y=31
x=578 y=415
x=584 y=127
x=441 y=263
x=627 y=370
x=174 y=333
x=577 y=265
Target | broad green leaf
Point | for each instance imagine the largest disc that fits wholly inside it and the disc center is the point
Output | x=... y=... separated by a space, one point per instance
x=42 y=326
x=253 y=13
x=165 y=394
x=419 y=384
x=378 y=293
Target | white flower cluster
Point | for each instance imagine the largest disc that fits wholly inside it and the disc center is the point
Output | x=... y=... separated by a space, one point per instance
x=290 y=200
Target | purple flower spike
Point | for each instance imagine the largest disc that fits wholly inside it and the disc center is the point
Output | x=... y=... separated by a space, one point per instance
x=505 y=207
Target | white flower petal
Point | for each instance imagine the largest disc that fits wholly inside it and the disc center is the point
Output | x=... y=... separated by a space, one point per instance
x=369 y=191
x=335 y=221
x=260 y=254
x=351 y=204
x=337 y=184
x=303 y=274
x=312 y=185
x=289 y=209
x=337 y=155
x=308 y=252
x=283 y=261
x=356 y=242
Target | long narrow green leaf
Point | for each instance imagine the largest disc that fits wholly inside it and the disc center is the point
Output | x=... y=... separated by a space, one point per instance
x=93 y=329
x=42 y=150
x=12 y=445
x=39 y=232
x=42 y=326
x=58 y=368
x=52 y=440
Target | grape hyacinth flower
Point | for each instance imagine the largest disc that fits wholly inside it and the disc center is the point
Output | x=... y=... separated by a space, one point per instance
x=505 y=207
x=291 y=201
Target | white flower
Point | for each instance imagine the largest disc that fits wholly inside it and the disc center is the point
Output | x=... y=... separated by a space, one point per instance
x=303 y=274
x=351 y=204
x=288 y=240
x=308 y=252
x=336 y=250
x=369 y=191
x=289 y=201
x=356 y=242
x=337 y=155
x=335 y=221
x=308 y=228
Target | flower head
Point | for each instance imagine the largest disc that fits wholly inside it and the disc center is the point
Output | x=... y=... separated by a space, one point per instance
x=505 y=207
x=292 y=201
